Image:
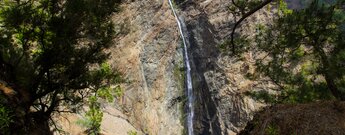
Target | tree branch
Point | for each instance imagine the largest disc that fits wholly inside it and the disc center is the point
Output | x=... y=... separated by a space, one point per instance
x=235 y=4
x=53 y=103
x=266 y=2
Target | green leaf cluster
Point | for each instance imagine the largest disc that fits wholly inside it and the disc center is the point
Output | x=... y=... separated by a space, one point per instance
x=132 y=133
x=52 y=54
x=105 y=90
x=93 y=117
x=6 y=118
x=304 y=53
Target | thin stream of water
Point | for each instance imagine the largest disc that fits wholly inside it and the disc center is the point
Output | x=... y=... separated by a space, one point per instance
x=189 y=77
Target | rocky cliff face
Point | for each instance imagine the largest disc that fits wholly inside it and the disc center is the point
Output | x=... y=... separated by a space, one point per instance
x=148 y=52
x=222 y=108
x=149 y=55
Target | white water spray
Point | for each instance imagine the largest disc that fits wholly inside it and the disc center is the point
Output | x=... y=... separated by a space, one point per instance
x=189 y=77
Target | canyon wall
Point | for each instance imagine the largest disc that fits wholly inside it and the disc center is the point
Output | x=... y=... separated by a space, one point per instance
x=148 y=52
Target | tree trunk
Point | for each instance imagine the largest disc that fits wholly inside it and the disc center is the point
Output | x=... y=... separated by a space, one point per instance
x=332 y=86
x=327 y=73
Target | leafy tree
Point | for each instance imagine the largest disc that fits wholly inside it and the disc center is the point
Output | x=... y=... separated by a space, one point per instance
x=305 y=52
x=94 y=115
x=50 y=55
x=5 y=119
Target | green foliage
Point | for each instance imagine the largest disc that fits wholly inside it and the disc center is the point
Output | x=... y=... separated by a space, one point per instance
x=304 y=53
x=132 y=133
x=94 y=115
x=263 y=96
x=224 y=45
x=108 y=77
x=241 y=42
x=178 y=3
x=241 y=7
x=52 y=51
x=283 y=9
x=174 y=4
x=272 y=130
x=6 y=118
x=179 y=76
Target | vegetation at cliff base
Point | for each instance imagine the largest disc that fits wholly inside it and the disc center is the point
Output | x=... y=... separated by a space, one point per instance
x=321 y=118
x=52 y=59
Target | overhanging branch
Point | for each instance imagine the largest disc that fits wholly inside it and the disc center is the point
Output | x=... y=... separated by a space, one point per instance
x=246 y=15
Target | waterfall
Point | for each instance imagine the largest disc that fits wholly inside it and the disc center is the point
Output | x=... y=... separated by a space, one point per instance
x=189 y=77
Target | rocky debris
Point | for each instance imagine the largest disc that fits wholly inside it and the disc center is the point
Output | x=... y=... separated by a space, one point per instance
x=320 y=118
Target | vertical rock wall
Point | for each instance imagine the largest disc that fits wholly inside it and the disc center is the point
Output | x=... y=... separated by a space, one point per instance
x=221 y=106
x=149 y=54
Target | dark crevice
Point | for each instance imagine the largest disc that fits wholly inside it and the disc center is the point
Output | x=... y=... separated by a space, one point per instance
x=203 y=54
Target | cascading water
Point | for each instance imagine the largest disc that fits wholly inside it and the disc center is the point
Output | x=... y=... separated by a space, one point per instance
x=189 y=77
